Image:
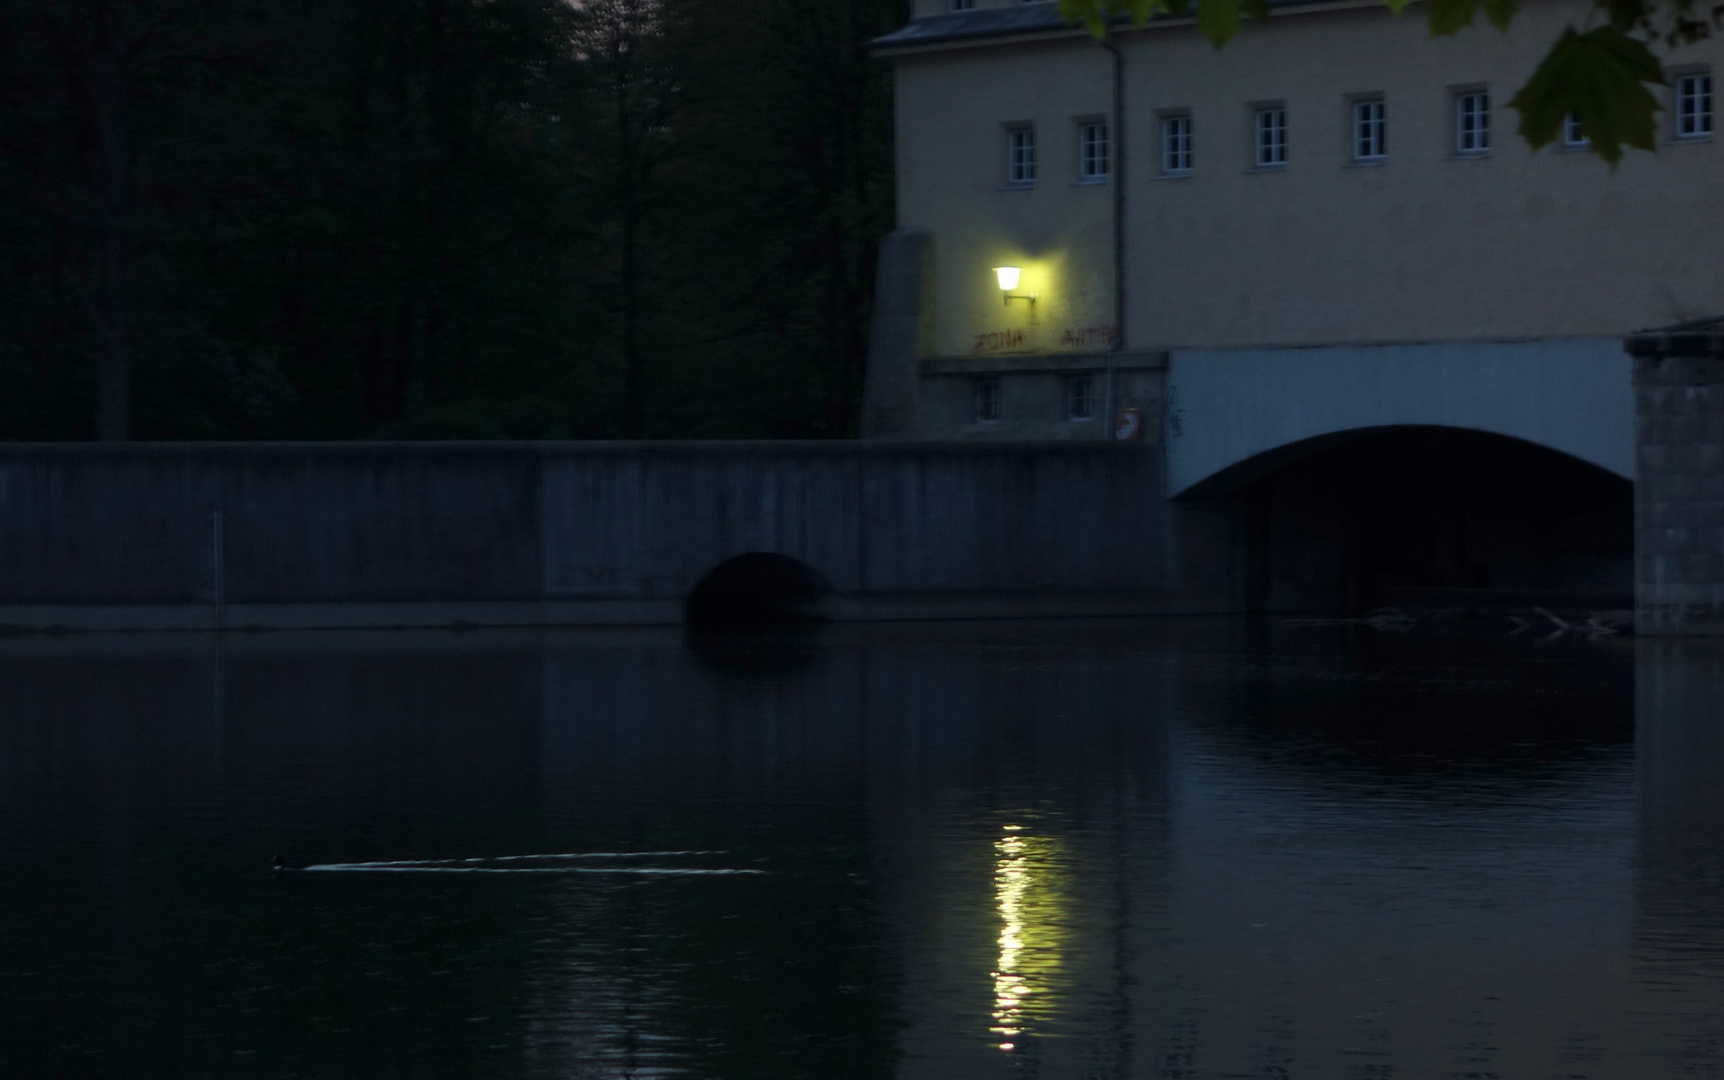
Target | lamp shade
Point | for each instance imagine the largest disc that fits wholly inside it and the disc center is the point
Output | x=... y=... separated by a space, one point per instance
x=1008 y=276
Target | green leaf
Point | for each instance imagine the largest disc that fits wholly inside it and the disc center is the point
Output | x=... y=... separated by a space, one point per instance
x=1096 y=14
x=1449 y=16
x=1218 y=20
x=1501 y=12
x=1091 y=13
x=1601 y=76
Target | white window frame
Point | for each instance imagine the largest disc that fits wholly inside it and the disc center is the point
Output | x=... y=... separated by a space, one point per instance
x=1692 y=115
x=1021 y=155
x=1573 y=137
x=1472 y=123
x=1093 y=151
x=986 y=399
x=1176 y=144
x=1368 y=133
x=1269 y=137
x=1080 y=398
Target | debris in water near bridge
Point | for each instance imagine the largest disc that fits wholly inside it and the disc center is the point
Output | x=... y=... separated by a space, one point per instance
x=1388 y=618
x=1592 y=625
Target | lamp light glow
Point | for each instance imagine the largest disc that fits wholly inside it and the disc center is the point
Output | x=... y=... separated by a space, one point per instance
x=1008 y=276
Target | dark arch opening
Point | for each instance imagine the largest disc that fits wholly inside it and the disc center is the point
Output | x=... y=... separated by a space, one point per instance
x=1427 y=516
x=758 y=588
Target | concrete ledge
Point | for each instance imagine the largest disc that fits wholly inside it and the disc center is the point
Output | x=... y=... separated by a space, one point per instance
x=1042 y=363
x=1109 y=603
x=882 y=607
x=37 y=618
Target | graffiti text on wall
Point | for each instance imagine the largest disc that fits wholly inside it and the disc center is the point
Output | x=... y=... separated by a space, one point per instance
x=1090 y=337
x=999 y=341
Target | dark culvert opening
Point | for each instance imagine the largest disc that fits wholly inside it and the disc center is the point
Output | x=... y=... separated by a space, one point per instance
x=1436 y=517
x=755 y=589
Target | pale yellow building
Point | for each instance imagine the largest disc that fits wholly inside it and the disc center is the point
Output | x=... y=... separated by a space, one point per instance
x=1331 y=180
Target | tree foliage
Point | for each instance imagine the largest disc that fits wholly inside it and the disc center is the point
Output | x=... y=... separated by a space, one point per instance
x=437 y=218
x=1600 y=74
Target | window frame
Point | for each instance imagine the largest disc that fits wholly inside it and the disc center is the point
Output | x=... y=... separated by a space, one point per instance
x=1704 y=98
x=1086 y=128
x=1080 y=398
x=1166 y=155
x=1572 y=137
x=1276 y=159
x=1356 y=120
x=985 y=399
x=1021 y=157
x=1470 y=112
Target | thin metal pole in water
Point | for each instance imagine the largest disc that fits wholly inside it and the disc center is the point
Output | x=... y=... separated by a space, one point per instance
x=217 y=570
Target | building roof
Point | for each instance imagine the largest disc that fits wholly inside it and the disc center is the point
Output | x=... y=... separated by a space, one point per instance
x=1019 y=19
x=1703 y=337
x=988 y=22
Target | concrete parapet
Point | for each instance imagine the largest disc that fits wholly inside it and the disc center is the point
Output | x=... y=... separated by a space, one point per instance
x=163 y=536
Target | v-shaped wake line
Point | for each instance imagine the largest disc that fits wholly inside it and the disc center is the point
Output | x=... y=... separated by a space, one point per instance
x=564 y=857
x=433 y=868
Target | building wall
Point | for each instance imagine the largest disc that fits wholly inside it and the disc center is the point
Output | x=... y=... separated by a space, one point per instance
x=1427 y=246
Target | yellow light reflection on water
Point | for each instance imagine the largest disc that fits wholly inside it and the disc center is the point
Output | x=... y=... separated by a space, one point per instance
x=1027 y=896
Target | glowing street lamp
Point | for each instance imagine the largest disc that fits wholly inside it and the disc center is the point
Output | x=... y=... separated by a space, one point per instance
x=1008 y=277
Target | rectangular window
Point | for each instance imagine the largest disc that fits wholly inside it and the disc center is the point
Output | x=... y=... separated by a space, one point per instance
x=1694 y=106
x=1080 y=401
x=987 y=401
x=1473 y=122
x=1271 y=138
x=1092 y=152
x=1176 y=145
x=1573 y=135
x=963 y=5
x=1021 y=155
x=1369 y=123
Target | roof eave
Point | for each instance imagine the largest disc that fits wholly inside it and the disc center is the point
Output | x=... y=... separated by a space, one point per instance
x=884 y=48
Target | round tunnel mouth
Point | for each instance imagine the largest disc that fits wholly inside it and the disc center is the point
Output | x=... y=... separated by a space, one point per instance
x=760 y=588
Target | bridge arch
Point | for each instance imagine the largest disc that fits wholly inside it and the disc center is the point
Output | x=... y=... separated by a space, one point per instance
x=1226 y=407
x=758 y=587
x=1415 y=514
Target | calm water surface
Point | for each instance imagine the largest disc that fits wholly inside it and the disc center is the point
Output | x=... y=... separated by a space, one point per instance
x=1088 y=850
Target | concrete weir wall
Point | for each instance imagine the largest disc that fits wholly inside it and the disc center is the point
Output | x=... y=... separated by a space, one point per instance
x=378 y=534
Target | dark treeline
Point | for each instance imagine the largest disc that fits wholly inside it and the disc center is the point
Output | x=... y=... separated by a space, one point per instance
x=242 y=219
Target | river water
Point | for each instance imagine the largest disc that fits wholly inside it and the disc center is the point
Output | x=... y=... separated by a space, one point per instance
x=1174 y=849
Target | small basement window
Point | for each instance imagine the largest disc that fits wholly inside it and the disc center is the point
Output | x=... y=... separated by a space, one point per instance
x=987 y=399
x=1080 y=397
